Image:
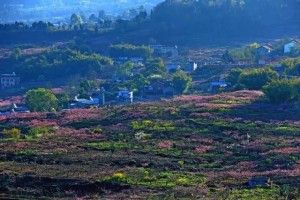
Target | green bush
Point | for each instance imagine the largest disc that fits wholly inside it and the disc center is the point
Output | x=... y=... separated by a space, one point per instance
x=281 y=91
x=255 y=79
x=37 y=132
x=12 y=133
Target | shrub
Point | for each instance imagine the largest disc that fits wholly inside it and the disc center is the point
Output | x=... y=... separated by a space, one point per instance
x=37 y=132
x=255 y=79
x=12 y=133
x=283 y=90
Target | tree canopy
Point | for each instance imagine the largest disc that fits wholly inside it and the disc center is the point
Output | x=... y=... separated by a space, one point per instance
x=41 y=99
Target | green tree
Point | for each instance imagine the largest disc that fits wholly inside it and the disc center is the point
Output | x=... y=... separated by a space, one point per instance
x=255 y=79
x=181 y=82
x=138 y=82
x=75 y=20
x=63 y=99
x=281 y=91
x=41 y=99
x=233 y=76
x=127 y=50
x=16 y=54
x=85 y=87
x=155 y=66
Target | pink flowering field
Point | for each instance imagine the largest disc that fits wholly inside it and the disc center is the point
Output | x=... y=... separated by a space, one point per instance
x=190 y=147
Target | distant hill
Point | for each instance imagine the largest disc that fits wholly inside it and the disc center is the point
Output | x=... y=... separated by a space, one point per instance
x=52 y=10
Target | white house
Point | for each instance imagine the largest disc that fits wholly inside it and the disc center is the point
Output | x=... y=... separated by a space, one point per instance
x=289 y=46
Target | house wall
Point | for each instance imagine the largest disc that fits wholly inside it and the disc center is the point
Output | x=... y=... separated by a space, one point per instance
x=288 y=47
x=7 y=81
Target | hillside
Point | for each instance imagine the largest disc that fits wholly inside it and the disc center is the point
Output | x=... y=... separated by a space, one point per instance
x=219 y=21
x=190 y=147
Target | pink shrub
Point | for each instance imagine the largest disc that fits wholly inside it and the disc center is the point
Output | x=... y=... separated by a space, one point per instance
x=288 y=150
x=165 y=145
x=36 y=122
x=203 y=149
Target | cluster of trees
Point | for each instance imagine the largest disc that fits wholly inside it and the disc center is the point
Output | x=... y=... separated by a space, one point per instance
x=127 y=50
x=44 y=100
x=41 y=99
x=20 y=26
x=291 y=66
x=253 y=79
x=277 y=89
x=280 y=91
x=60 y=63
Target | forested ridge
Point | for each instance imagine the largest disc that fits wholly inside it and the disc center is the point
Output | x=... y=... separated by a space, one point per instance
x=225 y=19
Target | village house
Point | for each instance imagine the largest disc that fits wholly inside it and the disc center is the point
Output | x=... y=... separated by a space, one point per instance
x=9 y=80
x=171 y=52
x=190 y=67
x=154 y=88
x=288 y=47
x=83 y=103
x=172 y=68
x=136 y=70
x=216 y=86
x=14 y=109
x=125 y=96
x=19 y=109
x=264 y=50
x=137 y=60
x=168 y=89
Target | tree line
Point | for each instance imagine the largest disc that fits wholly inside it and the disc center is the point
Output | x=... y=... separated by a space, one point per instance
x=278 y=88
x=234 y=19
x=59 y=63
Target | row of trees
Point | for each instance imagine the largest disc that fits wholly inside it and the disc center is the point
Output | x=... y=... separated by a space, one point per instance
x=60 y=63
x=278 y=89
x=253 y=79
x=127 y=50
x=286 y=90
x=20 y=26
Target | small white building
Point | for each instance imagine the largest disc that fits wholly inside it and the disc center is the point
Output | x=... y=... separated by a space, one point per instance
x=287 y=48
